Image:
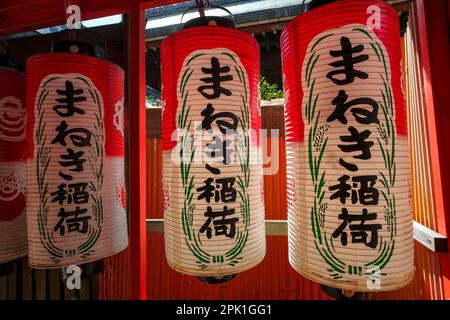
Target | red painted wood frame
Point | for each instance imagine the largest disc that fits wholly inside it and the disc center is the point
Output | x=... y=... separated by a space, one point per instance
x=137 y=154
x=433 y=16
x=434 y=52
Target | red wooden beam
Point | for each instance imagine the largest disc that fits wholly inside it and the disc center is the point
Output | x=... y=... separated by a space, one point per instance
x=28 y=15
x=434 y=54
x=137 y=153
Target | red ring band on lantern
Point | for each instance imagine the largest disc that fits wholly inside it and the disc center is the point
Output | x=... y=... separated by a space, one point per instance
x=177 y=46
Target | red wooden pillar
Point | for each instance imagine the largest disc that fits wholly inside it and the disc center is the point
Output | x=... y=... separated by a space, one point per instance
x=137 y=152
x=435 y=57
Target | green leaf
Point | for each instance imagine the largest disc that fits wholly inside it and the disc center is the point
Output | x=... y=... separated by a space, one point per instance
x=307 y=66
x=332 y=265
x=332 y=256
x=183 y=85
x=363 y=31
x=319 y=41
x=194 y=57
x=310 y=101
x=321 y=183
x=312 y=68
x=320 y=158
x=267 y=91
x=376 y=51
x=386 y=164
x=384 y=60
x=310 y=157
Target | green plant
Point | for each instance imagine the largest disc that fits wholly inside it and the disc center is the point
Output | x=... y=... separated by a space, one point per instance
x=154 y=103
x=269 y=91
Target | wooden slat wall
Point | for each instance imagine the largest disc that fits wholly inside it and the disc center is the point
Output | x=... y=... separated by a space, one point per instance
x=428 y=281
x=115 y=282
x=421 y=184
x=26 y=283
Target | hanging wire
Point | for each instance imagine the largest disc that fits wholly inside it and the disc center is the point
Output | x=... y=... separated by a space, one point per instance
x=303 y=6
x=201 y=7
x=4 y=46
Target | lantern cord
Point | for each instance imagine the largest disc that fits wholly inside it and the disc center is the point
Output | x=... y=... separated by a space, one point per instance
x=201 y=6
x=303 y=6
x=4 y=46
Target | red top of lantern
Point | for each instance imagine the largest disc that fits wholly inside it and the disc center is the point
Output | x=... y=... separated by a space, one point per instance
x=302 y=30
x=107 y=77
x=12 y=115
x=179 y=45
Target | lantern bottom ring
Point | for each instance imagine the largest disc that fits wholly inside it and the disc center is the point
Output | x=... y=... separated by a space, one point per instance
x=217 y=280
x=339 y=294
x=6 y=268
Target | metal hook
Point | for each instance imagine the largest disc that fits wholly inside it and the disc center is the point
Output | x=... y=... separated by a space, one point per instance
x=5 y=45
x=72 y=35
x=303 y=6
x=200 y=7
x=212 y=7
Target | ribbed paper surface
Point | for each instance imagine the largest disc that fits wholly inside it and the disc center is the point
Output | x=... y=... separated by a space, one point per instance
x=76 y=199
x=13 y=235
x=212 y=182
x=350 y=223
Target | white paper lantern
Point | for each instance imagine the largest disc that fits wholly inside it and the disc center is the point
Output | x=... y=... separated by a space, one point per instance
x=76 y=162
x=213 y=203
x=350 y=222
x=13 y=233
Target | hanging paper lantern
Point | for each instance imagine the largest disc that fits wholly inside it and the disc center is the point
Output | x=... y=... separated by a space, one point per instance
x=212 y=182
x=350 y=222
x=13 y=235
x=75 y=161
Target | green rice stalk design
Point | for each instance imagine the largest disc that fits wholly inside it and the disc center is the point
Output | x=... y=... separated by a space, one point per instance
x=84 y=250
x=192 y=237
x=317 y=143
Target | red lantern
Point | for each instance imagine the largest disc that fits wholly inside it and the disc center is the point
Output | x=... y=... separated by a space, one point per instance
x=350 y=223
x=214 y=214
x=13 y=235
x=75 y=156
